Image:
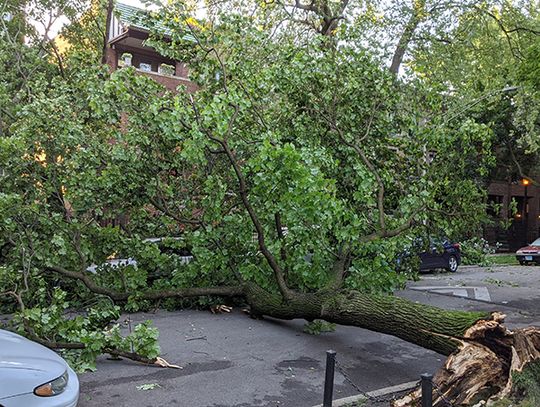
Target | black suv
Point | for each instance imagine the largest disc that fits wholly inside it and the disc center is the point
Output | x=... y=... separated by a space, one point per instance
x=434 y=254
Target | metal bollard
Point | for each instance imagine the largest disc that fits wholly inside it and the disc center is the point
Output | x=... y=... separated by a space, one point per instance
x=427 y=389
x=329 y=378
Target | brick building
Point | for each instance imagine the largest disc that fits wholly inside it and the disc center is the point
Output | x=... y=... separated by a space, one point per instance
x=127 y=48
x=524 y=223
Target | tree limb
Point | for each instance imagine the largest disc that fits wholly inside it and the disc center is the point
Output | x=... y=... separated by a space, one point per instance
x=224 y=291
x=242 y=189
x=79 y=345
x=281 y=237
x=389 y=233
x=109 y=11
x=406 y=37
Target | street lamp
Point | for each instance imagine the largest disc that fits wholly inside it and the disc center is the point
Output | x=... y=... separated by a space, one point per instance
x=525 y=182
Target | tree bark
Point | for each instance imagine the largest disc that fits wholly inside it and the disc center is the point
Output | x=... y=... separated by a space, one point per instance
x=424 y=325
x=406 y=36
x=485 y=366
x=108 y=18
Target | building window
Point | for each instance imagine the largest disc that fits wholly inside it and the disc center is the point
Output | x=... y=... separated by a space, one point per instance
x=145 y=66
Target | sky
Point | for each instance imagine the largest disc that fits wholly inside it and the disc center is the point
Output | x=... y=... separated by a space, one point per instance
x=57 y=26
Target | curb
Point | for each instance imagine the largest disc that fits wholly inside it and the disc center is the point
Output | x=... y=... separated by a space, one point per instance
x=374 y=393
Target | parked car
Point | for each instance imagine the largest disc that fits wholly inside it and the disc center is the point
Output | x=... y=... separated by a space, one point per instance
x=440 y=254
x=33 y=376
x=113 y=263
x=166 y=246
x=529 y=254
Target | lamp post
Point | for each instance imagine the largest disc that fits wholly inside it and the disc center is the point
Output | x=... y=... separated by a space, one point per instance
x=525 y=182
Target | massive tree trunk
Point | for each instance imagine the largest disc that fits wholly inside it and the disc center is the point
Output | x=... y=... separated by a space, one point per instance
x=426 y=326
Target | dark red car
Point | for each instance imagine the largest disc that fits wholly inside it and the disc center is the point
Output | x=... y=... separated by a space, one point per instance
x=529 y=254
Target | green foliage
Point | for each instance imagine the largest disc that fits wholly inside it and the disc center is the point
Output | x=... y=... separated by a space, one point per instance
x=500 y=283
x=503 y=259
x=94 y=327
x=476 y=251
x=318 y=327
x=527 y=382
x=378 y=270
x=506 y=402
x=527 y=388
x=529 y=69
x=148 y=386
x=487 y=55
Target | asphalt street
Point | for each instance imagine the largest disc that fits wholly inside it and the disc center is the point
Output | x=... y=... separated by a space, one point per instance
x=233 y=360
x=513 y=290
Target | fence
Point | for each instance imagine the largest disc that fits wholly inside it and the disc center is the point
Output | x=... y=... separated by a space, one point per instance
x=428 y=387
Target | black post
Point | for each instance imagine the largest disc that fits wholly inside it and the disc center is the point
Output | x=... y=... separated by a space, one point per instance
x=526 y=217
x=427 y=389
x=329 y=378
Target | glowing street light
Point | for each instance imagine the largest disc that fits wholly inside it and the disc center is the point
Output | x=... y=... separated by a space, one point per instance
x=525 y=182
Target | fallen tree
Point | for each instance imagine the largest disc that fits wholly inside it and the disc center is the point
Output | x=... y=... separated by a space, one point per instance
x=483 y=356
x=294 y=180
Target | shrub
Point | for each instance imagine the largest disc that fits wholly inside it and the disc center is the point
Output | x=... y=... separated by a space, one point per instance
x=476 y=251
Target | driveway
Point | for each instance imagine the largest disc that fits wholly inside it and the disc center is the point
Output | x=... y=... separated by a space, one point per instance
x=514 y=290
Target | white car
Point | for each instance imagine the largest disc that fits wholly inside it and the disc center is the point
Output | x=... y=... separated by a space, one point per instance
x=113 y=263
x=119 y=262
x=32 y=375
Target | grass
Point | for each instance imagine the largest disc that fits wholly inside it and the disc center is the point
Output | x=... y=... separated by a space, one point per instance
x=503 y=259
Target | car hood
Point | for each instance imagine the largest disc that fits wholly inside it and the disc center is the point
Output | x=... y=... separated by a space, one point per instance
x=529 y=249
x=25 y=365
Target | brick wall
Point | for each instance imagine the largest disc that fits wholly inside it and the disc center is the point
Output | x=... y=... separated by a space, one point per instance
x=524 y=227
x=168 y=81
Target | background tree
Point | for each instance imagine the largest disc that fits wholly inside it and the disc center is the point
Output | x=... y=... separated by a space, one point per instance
x=486 y=58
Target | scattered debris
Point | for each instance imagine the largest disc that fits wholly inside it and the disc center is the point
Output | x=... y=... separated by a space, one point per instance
x=197 y=338
x=163 y=363
x=148 y=386
x=218 y=309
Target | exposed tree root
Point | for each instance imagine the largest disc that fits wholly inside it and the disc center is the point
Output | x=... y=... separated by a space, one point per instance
x=483 y=367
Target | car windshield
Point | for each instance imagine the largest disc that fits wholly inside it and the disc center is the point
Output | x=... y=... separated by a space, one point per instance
x=536 y=242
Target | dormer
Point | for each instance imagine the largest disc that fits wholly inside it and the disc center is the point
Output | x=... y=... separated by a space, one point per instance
x=127 y=36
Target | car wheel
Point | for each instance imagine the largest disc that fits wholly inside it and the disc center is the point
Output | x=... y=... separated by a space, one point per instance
x=522 y=263
x=452 y=264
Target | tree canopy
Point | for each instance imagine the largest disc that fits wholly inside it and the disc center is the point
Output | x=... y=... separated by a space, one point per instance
x=314 y=152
